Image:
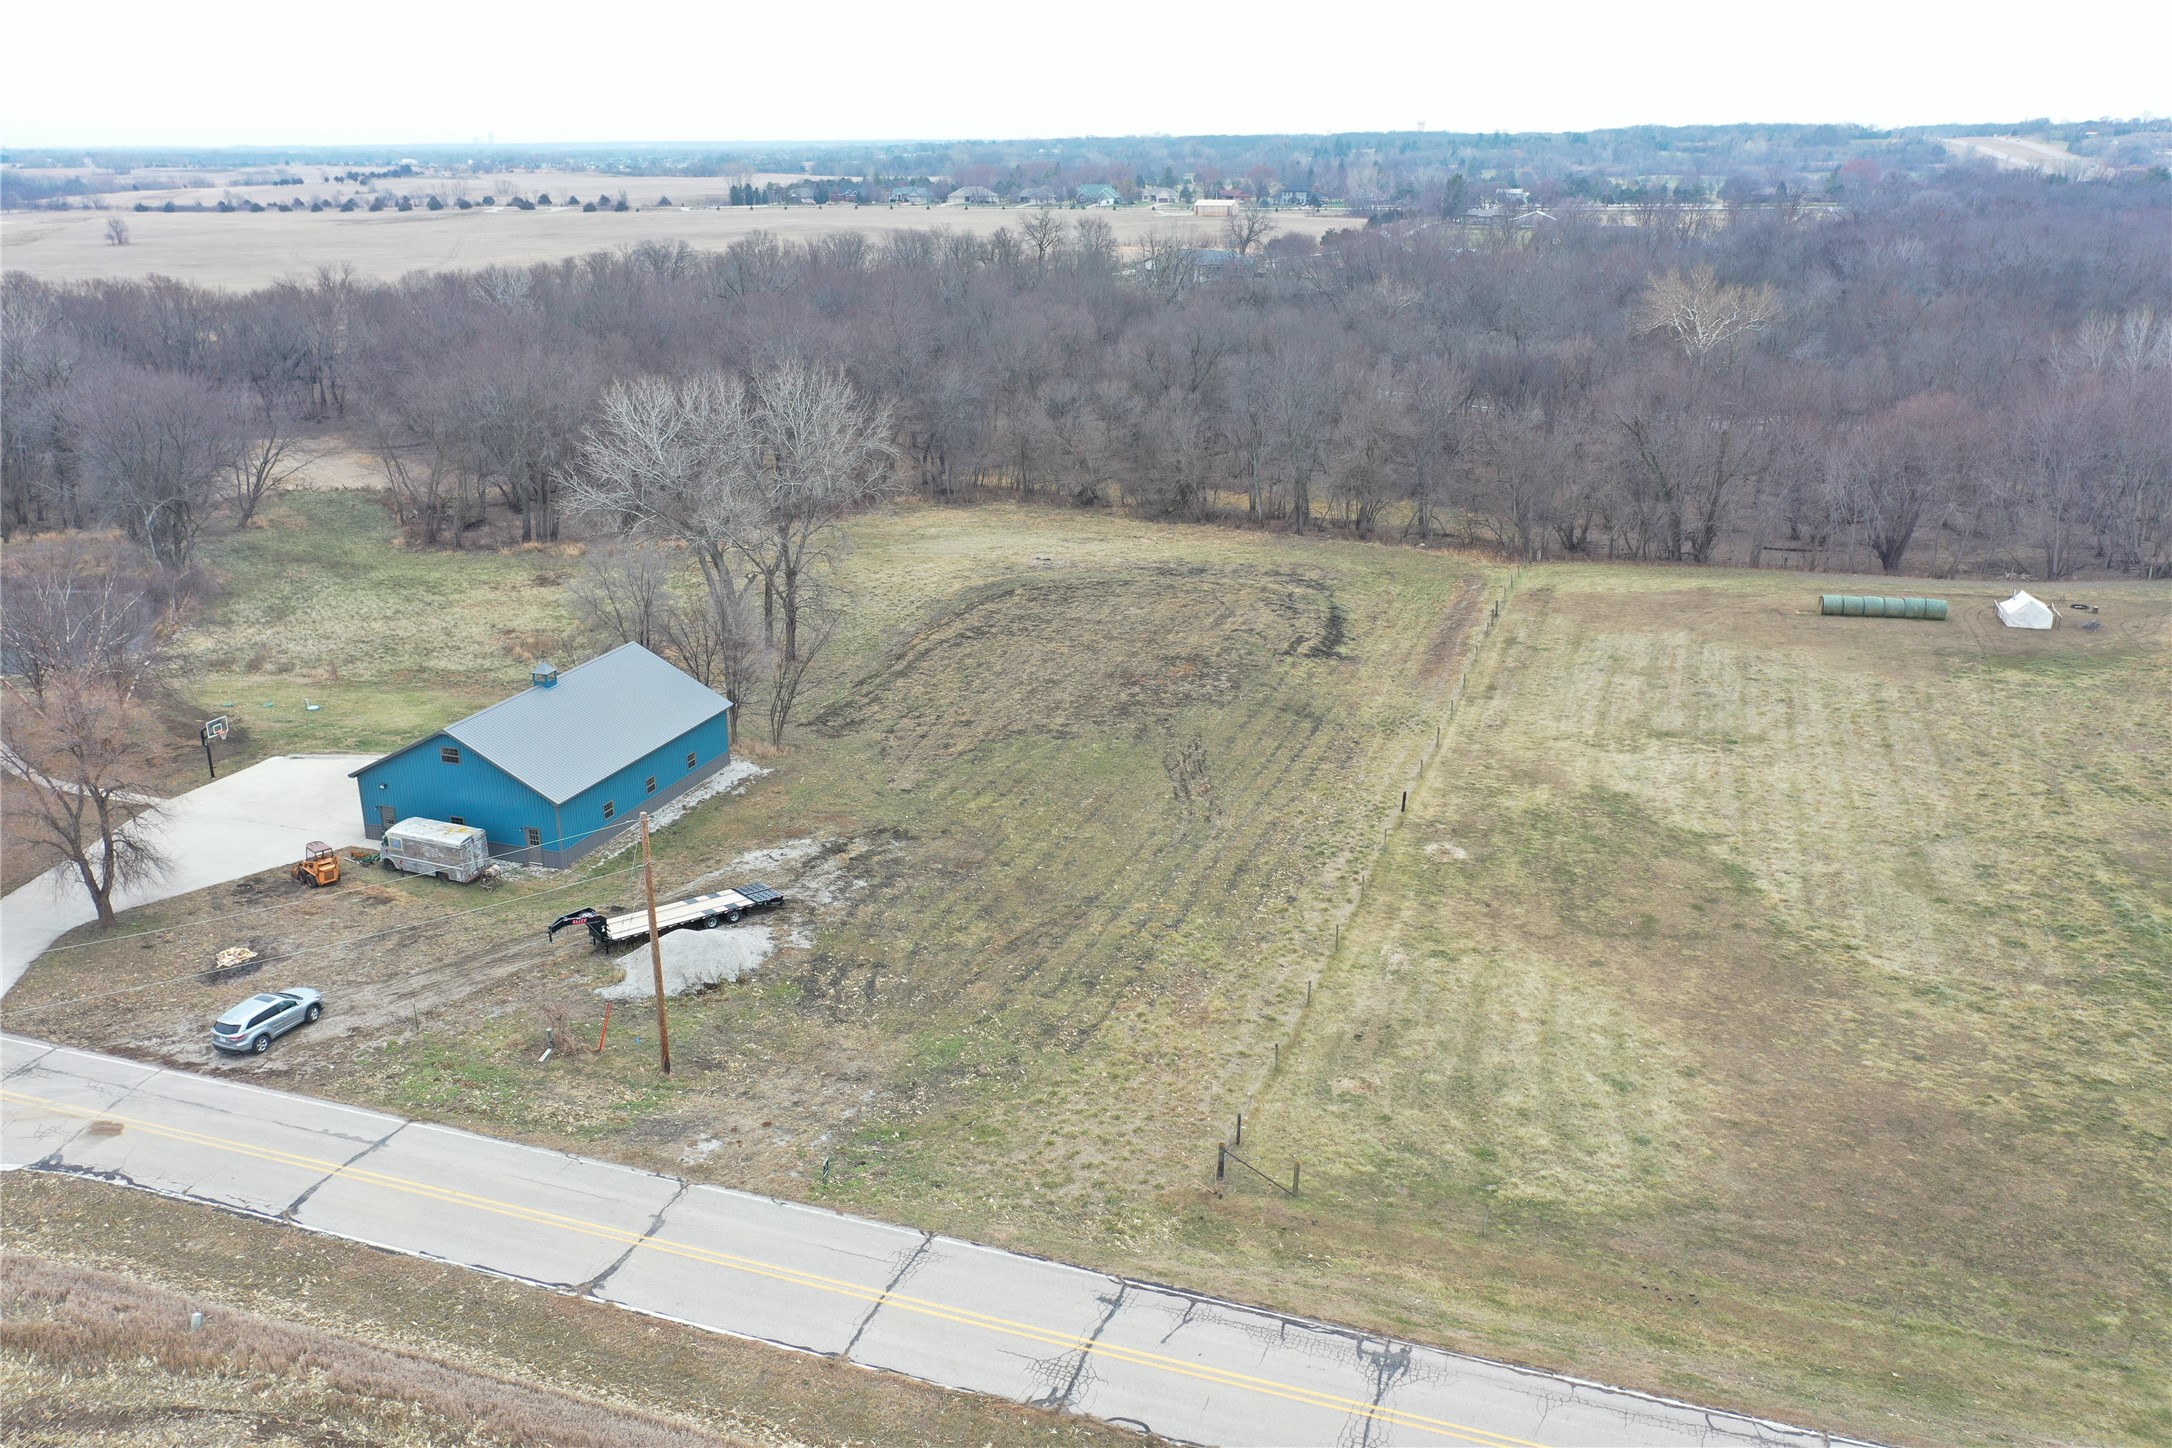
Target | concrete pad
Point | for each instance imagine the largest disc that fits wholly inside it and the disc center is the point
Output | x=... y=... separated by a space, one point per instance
x=1028 y=1301
x=782 y=1243
x=520 y=1210
x=1213 y=1373
x=240 y=1147
x=78 y=1086
x=252 y=820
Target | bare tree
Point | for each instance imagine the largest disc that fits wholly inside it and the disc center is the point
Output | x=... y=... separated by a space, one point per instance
x=116 y=231
x=80 y=606
x=622 y=593
x=1302 y=411
x=821 y=455
x=818 y=620
x=1093 y=245
x=762 y=472
x=1042 y=231
x=1691 y=458
x=1246 y=228
x=1903 y=468
x=714 y=636
x=668 y=458
x=1440 y=402
x=157 y=445
x=1703 y=314
x=269 y=452
x=82 y=750
x=1168 y=264
x=37 y=361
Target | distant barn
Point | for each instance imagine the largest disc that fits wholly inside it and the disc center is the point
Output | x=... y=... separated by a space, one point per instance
x=556 y=770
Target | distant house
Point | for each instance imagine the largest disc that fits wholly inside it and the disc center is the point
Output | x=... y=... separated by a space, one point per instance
x=1297 y=198
x=910 y=195
x=1158 y=196
x=556 y=770
x=1214 y=206
x=1038 y=196
x=1096 y=194
x=972 y=196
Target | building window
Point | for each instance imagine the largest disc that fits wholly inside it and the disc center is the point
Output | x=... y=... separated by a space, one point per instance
x=689 y=759
x=652 y=785
x=609 y=809
x=449 y=755
x=534 y=838
x=454 y=820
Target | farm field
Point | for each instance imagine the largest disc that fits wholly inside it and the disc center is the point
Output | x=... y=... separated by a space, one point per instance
x=245 y=250
x=1751 y=1006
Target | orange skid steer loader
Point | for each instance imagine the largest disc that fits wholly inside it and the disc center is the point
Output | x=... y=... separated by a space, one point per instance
x=320 y=866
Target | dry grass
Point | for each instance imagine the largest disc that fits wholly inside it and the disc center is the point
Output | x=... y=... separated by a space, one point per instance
x=95 y=1354
x=243 y=250
x=1763 y=1008
x=1806 y=973
x=311 y=1340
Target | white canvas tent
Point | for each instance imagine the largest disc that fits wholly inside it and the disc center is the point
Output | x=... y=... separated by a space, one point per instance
x=2025 y=611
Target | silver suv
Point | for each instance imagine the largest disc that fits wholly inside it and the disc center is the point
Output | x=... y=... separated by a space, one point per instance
x=251 y=1025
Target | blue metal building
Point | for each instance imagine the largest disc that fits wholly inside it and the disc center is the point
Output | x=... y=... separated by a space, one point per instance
x=553 y=772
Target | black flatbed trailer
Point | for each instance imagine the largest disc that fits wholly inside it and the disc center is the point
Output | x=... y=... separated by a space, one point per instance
x=695 y=912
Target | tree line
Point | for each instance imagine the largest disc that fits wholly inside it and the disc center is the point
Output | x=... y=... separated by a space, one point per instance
x=1962 y=374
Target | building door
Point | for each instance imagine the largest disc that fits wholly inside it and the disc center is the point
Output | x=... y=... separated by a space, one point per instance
x=387 y=816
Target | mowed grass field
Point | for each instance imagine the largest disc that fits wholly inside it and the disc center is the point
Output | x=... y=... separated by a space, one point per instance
x=1750 y=1006
x=1784 y=992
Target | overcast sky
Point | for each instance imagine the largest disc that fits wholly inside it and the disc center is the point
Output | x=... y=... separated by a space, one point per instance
x=215 y=73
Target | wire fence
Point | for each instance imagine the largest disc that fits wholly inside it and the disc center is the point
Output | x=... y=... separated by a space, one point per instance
x=1495 y=604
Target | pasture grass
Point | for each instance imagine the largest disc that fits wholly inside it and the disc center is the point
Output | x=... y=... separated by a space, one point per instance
x=1752 y=1006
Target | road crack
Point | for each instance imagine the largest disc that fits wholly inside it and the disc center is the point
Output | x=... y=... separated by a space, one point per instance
x=912 y=1260
x=594 y=1286
x=1080 y=1357
x=296 y=1205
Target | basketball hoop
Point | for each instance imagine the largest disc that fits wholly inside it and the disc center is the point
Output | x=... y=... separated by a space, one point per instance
x=212 y=729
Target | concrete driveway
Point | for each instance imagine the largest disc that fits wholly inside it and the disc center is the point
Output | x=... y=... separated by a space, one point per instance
x=947 y=1311
x=253 y=819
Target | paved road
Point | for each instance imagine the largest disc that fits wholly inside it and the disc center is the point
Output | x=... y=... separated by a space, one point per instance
x=253 y=819
x=931 y=1307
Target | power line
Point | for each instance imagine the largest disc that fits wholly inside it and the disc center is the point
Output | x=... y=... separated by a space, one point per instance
x=267 y=909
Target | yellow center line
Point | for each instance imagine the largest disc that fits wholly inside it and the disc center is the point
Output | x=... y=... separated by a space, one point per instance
x=965 y=1317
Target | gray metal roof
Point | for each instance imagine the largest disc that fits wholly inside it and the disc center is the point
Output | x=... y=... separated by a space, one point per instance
x=598 y=718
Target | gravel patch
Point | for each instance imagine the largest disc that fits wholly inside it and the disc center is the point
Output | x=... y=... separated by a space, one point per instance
x=693 y=960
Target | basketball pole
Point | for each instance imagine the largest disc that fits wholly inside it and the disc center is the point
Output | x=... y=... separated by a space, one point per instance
x=656 y=944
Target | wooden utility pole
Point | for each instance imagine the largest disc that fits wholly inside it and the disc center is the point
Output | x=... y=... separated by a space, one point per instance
x=656 y=944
